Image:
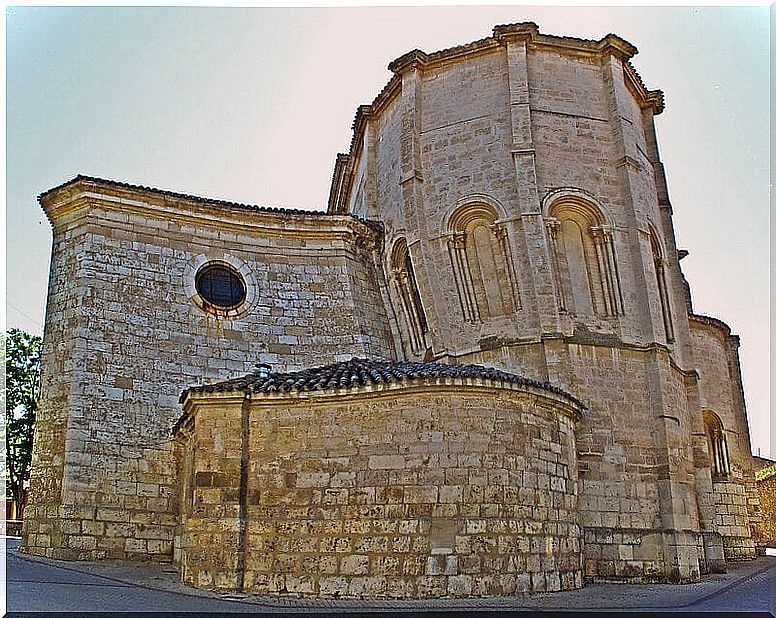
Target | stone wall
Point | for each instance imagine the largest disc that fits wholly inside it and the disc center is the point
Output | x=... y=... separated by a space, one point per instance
x=475 y=166
x=44 y=512
x=622 y=446
x=522 y=125
x=406 y=491
x=125 y=334
x=731 y=519
x=735 y=493
x=766 y=488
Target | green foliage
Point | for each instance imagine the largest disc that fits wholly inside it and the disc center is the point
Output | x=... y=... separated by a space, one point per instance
x=764 y=473
x=22 y=380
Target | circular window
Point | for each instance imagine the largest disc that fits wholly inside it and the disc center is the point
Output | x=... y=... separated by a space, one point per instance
x=220 y=286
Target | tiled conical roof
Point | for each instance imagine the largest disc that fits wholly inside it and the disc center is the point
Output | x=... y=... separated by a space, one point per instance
x=362 y=372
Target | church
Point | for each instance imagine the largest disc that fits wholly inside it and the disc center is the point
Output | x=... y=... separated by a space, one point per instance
x=476 y=373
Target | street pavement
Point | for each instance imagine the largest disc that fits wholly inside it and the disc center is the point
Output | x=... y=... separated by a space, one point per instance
x=43 y=585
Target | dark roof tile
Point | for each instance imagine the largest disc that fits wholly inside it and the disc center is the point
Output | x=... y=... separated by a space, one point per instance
x=362 y=372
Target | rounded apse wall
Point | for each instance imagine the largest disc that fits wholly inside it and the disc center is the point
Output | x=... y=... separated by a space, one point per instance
x=412 y=491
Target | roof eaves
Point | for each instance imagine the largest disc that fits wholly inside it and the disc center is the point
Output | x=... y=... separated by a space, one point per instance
x=175 y=195
x=359 y=372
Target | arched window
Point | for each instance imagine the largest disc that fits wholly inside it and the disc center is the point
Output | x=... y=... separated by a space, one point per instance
x=407 y=290
x=482 y=263
x=587 y=280
x=662 y=288
x=715 y=437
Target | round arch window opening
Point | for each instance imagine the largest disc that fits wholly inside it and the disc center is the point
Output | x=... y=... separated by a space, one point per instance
x=220 y=286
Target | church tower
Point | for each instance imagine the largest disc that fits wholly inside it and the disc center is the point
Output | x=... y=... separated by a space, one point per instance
x=528 y=227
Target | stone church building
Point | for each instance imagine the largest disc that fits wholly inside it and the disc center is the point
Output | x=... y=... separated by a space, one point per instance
x=477 y=373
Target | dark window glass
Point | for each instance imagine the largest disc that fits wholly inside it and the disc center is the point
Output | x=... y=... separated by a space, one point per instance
x=220 y=286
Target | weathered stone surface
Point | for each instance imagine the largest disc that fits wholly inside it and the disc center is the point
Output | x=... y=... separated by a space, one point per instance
x=503 y=204
x=398 y=538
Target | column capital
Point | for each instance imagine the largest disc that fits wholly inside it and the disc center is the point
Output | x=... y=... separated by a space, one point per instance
x=499 y=230
x=605 y=232
x=457 y=240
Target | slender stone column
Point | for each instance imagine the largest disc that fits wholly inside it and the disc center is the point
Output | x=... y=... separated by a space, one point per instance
x=665 y=304
x=405 y=292
x=553 y=225
x=607 y=265
x=603 y=268
x=614 y=272
x=502 y=235
x=463 y=278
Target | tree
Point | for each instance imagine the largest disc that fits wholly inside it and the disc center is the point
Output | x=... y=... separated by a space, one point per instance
x=22 y=376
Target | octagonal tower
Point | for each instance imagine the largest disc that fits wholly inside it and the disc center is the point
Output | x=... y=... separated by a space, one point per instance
x=528 y=227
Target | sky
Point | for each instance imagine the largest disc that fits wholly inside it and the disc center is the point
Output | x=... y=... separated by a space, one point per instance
x=253 y=104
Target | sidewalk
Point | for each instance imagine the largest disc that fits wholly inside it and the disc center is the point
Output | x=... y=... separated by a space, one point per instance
x=40 y=584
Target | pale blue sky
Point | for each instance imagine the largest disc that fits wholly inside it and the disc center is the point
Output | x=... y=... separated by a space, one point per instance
x=252 y=105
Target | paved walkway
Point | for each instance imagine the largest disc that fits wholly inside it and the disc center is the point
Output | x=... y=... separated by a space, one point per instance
x=43 y=585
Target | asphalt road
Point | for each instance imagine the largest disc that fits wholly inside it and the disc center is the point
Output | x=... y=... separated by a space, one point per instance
x=40 y=585
x=756 y=593
x=36 y=586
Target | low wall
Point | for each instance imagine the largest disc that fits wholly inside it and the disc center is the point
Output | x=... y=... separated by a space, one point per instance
x=766 y=489
x=13 y=527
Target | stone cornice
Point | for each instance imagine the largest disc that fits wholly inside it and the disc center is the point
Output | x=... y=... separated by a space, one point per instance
x=411 y=60
x=647 y=98
x=76 y=184
x=343 y=167
x=529 y=33
x=709 y=321
x=567 y=403
x=525 y=31
x=77 y=197
x=558 y=336
x=522 y=31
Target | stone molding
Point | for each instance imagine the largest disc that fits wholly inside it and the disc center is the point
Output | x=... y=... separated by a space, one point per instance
x=471 y=199
x=706 y=320
x=71 y=188
x=574 y=194
x=572 y=407
x=73 y=200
